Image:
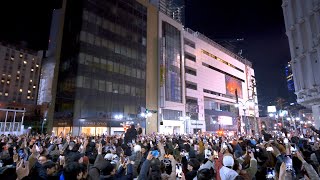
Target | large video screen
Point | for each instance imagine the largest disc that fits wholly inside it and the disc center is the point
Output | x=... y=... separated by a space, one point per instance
x=231 y=85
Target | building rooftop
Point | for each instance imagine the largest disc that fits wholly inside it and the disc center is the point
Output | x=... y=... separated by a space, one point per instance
x=218 y=46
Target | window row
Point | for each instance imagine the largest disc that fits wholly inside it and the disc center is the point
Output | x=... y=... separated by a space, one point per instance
x=115 y=28
x=112 y=46
x=111 y=66
x=221 y=60
x=108 y=86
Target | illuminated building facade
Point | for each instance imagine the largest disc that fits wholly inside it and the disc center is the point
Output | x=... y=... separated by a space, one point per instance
x=214 y=76
x=302 y=23
x=171 y=78
x=20 y=72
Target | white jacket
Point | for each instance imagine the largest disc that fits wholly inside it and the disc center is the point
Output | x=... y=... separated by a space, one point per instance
x=227 y=173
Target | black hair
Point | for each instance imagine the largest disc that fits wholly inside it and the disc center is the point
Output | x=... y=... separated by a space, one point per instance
x=194 y=163
x=71 y=170
x=204 y=174
x=48 y=164
x=8 y=173
x=108 y=169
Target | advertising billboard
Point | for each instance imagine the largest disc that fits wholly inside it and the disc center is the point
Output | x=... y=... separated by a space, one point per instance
x=233 y=84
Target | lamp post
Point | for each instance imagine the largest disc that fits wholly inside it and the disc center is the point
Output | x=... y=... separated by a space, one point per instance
x=245 y=119
x=43 y=121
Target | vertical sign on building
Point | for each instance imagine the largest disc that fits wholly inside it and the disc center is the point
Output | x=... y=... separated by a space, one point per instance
x=162 y=71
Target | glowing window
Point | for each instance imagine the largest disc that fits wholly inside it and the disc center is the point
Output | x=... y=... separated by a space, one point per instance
x=24 y=62
x=34 y=87
x=37 y=65
x=20 y=90
x=21 y=55
x=29 y=91
x=30 y=80
x=32 y=70
x=6 y=94
x=28 y=97
x=8 y=82
x=18 y=72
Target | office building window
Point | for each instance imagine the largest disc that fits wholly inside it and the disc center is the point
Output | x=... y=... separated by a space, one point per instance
x=190 y=71
x=190 y=57
x=172 y=62
x=169 y=114
x=190 y=85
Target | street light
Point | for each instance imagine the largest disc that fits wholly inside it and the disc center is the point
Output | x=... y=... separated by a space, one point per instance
x=118 y=116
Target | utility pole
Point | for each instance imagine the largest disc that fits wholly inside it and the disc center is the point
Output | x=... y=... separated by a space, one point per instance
x=256 y=124
x=238 y=113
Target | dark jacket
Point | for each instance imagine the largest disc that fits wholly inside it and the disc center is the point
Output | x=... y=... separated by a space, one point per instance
x=37 y=173
x=144 y=170
x=120 y=175
x=130 y=135
x=99 y=164
x=190 y=175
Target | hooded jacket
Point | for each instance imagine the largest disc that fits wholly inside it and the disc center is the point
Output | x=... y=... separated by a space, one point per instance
x=227 y=173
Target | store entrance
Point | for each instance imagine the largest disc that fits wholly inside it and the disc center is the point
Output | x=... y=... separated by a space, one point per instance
x=94 y=131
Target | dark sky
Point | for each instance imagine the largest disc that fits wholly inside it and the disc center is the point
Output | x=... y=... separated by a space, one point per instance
x=27 y=21
x=261 y=24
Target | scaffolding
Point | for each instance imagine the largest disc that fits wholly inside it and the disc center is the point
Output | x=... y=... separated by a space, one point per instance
x=15 y=126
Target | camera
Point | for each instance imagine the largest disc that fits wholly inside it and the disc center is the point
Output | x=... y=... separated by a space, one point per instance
x=270 y=174
x=288 y=161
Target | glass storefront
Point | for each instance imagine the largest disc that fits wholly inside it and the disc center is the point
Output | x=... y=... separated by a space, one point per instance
x=61 y=130
x=94 y=131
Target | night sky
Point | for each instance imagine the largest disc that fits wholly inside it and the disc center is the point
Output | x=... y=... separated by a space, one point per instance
x=260 y=23
x=265 y=44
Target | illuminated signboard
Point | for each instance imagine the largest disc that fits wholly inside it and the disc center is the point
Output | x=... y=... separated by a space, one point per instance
x=225 y=120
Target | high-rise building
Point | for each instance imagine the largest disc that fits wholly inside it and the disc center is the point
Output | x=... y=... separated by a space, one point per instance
x=200 y=81
x=218 y=83
x=20 y=72
x=101 y=83
x=174 y=9
x=302 y=23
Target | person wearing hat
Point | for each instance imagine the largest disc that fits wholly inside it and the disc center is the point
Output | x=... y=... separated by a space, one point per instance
x=135 y=158
x=226 y=172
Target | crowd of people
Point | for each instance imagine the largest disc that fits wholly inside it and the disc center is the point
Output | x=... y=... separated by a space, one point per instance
x=202 y=156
